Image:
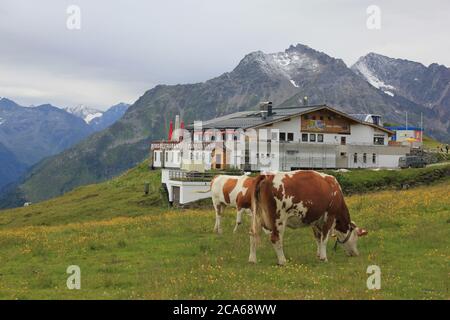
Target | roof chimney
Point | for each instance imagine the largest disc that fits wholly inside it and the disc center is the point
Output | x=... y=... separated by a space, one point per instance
x=305 y=100
x=265 y=109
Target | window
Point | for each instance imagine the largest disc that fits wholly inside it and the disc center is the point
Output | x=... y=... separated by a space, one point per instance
x=213 y=138
x=290 y=136
x=330 y=117
x=343 y=140
x=355 y=158
x=374 y=158
x=313 y=117
x=235 y=138
x=312 y=137
x=378 y=140
x=282 y=136
x=365 y=157
x=306 y=117
x=320 y=137
x=167 y=156
x=321 y=117
x=304 y=137
x=274 y=136
x=223 y=136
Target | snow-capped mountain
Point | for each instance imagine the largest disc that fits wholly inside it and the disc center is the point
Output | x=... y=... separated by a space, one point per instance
x=108 y=117
x=97 y=119
x=426 y=86
x=366 y=67
x=85 y=113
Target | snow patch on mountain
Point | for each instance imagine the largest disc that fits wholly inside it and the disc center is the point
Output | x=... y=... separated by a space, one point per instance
x=371 y=78
x=294 y=83
x=86 y=113
x=91 y=117
x=2 y=121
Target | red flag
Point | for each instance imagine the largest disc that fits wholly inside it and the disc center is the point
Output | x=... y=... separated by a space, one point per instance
x=170 y=130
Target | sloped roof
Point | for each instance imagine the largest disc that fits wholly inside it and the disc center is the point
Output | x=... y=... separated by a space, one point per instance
x=252 y=119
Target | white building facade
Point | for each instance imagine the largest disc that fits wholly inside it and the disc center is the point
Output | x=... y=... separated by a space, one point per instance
x=317 y=137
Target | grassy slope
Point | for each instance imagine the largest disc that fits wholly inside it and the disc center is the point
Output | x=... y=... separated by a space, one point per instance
x=121 y=196
x=161 y=253
x=430 y=143
x=175 y=255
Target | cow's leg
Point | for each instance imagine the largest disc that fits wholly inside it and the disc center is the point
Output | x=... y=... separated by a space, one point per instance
x=317 y=236
x=219 y=210
x=277 y=240
x=254 y=236
x=323 y=247
x=327 y=228
x=238 y=218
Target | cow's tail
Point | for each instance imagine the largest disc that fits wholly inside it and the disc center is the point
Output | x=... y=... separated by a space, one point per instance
x=206 y=191
x=210 y=186
x=255 y=203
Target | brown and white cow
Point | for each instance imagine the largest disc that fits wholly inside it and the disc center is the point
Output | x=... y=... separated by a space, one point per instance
x=301 y=198
x=231 y=191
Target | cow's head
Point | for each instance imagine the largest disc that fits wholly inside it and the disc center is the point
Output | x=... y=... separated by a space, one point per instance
x=349 y=241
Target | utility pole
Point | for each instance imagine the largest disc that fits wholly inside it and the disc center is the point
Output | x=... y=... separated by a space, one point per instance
x=421 y=127
x=406 y=127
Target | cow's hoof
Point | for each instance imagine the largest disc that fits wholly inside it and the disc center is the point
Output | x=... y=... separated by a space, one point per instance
x=323 y=259
x=252 y=260
x=282 y=263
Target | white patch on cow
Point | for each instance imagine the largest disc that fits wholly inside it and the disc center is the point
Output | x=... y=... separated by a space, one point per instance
x=237 y=189
x=278 y=182
x=218 y=197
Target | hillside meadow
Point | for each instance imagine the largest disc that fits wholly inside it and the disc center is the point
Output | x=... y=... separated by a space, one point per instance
x=132 y=246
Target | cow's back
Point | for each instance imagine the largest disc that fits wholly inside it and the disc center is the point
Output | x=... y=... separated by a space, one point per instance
x=231 y=190
x=306 y=193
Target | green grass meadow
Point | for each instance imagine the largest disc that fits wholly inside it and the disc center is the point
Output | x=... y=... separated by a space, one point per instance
x=132 y=246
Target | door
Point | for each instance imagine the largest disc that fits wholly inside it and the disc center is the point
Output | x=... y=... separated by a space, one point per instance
x=176 y=194
x=342 y=160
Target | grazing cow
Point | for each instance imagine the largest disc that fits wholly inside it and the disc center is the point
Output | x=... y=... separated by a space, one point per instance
x=232 y=191
x=301 y=198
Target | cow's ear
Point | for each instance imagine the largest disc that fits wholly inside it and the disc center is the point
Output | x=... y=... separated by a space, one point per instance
x=361 y=232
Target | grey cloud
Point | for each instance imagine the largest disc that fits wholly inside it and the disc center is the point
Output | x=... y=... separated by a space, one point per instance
x=127 y=47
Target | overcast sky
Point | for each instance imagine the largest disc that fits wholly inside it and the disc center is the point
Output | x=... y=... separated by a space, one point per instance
x=126 y=47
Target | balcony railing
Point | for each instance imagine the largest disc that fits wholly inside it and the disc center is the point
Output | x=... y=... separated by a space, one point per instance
x=180 y=175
